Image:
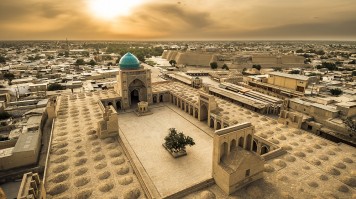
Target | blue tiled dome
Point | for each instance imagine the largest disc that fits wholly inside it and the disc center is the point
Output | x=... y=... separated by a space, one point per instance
x=129 y=62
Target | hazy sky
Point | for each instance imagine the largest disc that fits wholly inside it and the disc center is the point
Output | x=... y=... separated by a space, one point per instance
x=185 y=19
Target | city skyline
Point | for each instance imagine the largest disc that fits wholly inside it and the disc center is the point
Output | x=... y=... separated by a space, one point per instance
x=178 y=20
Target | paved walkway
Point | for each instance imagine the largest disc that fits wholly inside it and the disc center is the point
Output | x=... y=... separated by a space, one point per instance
x=146 y=135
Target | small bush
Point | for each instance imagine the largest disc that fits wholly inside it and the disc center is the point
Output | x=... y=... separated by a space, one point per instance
x=4 y=115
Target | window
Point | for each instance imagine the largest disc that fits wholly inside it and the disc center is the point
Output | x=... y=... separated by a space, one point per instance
x=247 y=173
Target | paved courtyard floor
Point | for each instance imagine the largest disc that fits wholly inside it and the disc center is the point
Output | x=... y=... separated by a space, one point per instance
x=146 y=134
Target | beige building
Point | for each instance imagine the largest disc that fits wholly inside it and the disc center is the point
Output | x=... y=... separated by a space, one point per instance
x=289 y=81
x=31 y=187
x=133 y=82
x=323 y=120
x=234 y=163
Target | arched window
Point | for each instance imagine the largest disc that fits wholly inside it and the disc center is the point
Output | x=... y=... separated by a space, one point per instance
x=241 y=142
x=232 y=145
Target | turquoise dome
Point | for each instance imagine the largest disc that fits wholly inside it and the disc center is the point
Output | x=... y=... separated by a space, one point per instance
x=129 y=62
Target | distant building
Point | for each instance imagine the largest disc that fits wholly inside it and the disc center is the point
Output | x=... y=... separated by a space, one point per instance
x=289 y=81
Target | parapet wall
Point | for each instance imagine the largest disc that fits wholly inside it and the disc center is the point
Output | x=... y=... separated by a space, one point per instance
x=190 y=58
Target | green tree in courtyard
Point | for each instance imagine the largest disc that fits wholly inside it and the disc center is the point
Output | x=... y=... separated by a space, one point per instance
x=9 y=77
x=172 y=62
x=176 y=141
x=335 y=91
x=257 y=66
x=225 y=67
x=214 y=65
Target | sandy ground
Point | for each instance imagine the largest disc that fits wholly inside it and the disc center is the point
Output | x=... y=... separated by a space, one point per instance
x=81 y=165
x=146 y=135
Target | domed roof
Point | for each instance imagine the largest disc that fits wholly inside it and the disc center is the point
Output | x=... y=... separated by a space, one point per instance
x=129 y=62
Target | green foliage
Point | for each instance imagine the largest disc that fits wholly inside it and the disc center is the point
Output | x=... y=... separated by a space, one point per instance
x=66 y=54
x=214 y=65
x=92 y=63
x=225 y=67
x=338 y=63
x=277 y=68
x=79 y=62
x=9 y=77
x=4 y=115
x=2 y=60
x=335 y=91
x=177 y=141
x=140 y=53
x=329 y=66
x=55 y=87
x=354 y=73
x=172 y=62
x=257 y=66
x=50 y=57
x=60 y=54
x=299 y=51
x=320 y=52
x=294 y=72
x=307 y=60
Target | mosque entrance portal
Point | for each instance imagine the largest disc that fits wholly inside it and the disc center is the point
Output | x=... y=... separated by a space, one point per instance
x=134 y=97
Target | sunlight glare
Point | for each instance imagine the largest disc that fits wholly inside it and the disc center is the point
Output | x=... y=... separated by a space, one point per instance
x=110 y=9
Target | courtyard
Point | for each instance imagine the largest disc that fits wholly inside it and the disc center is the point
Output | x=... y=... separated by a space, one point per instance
x=145 y=136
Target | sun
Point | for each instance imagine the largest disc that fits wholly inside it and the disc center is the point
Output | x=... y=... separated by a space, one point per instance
x=110 y=9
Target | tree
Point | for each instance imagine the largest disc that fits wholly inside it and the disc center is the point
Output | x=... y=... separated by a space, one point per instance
x=79 y=62
x=66 y=54
x=300 y=51
x=176 y=142
x=55 y=87
x=257 y=66
x=338 y=63
x=2 y=60
x=294 y=72
x=4 y=115
x=352 y=62
x=92 y=63
x=214 y=65
x=225 y=67
x=172 y=62
x=9 y=77
x=335 y=91
x=320 y=52
x=277 y=68
x=350 y=125
x=329 y=66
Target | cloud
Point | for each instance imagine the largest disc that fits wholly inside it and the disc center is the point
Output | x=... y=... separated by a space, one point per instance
x=183 y=19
